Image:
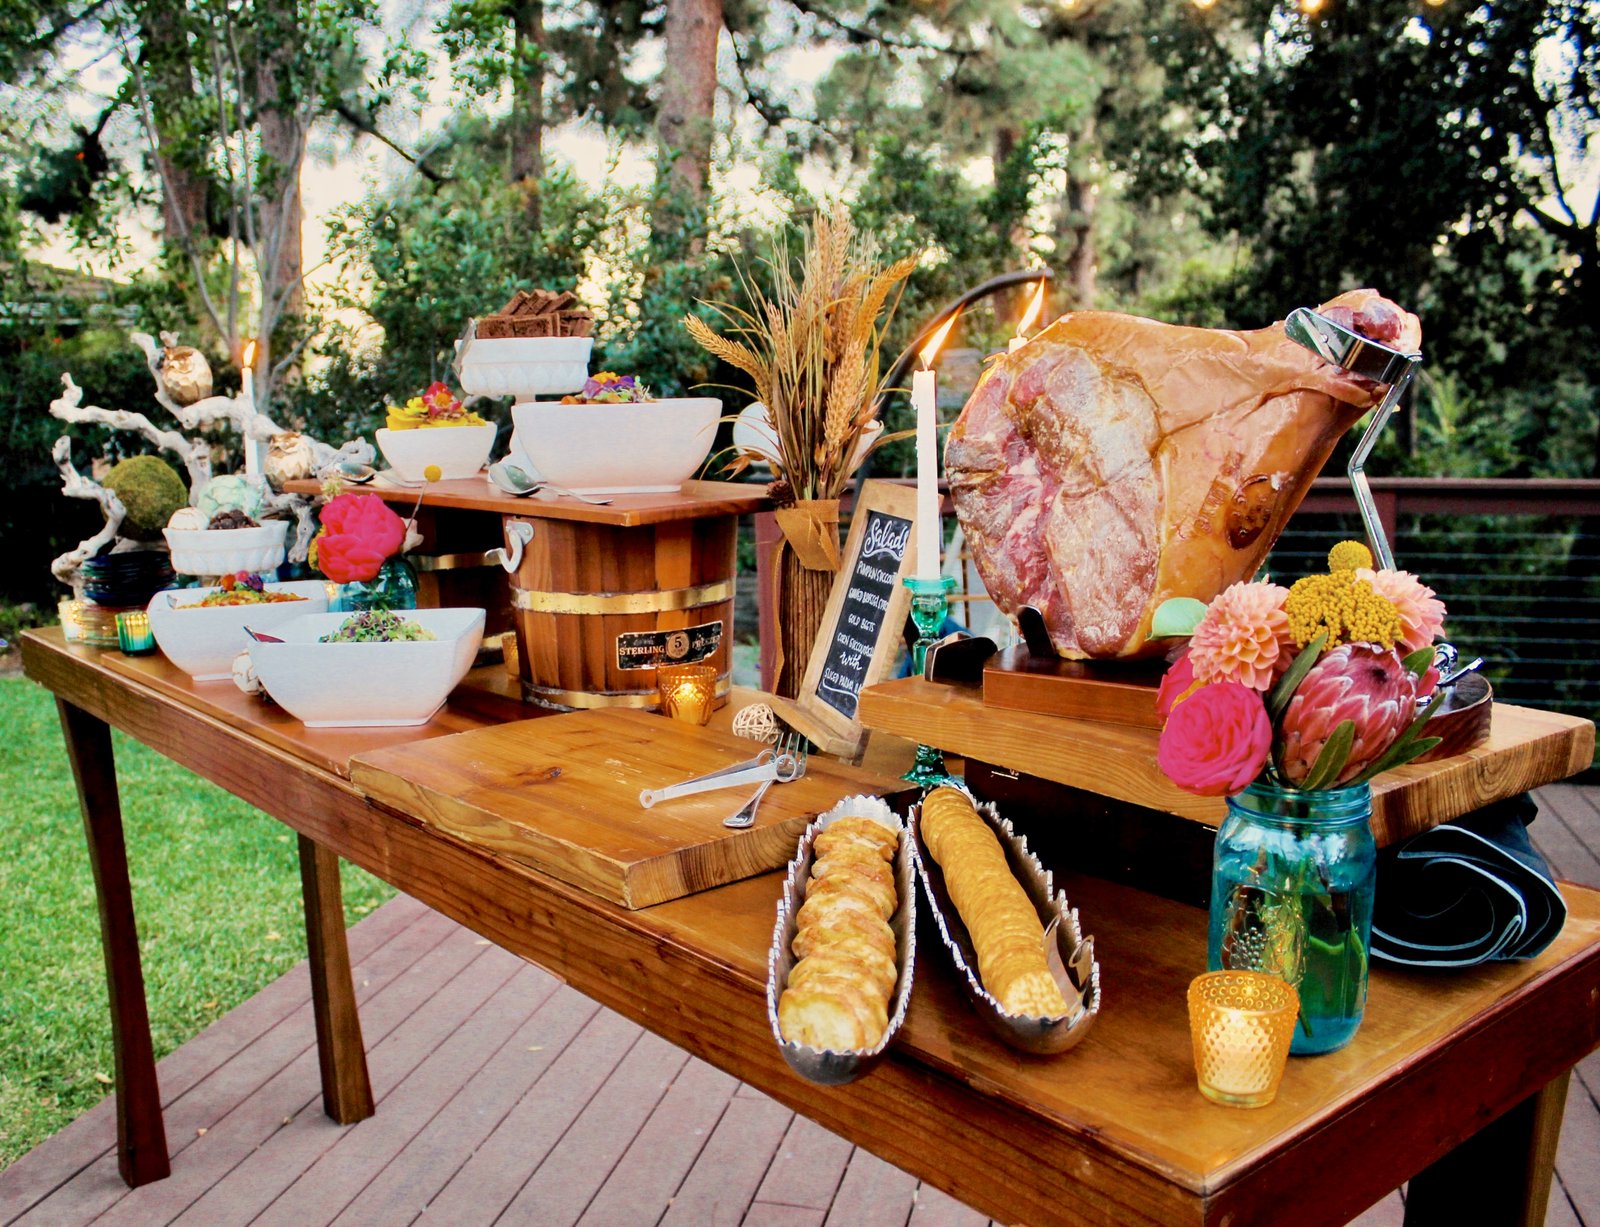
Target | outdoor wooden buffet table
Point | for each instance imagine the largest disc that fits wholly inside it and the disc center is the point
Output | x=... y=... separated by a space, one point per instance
x=1464 y=1072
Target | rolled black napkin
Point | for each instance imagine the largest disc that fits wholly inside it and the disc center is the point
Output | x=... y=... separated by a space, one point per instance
x=1469 y=891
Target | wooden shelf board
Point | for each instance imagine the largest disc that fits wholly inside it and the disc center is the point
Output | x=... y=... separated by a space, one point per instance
x=1526 y=748
x=694 y=500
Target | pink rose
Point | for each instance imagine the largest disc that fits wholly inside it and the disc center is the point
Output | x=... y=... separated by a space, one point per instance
x=1175 y=683
x=1216 y=741
x=360 y=532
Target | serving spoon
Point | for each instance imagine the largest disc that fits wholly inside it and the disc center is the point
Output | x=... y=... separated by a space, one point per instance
x=515 y=481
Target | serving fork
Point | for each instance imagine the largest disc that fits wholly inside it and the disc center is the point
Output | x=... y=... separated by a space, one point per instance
x=791 y=750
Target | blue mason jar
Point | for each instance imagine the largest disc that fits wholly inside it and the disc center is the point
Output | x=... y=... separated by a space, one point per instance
x=1291 y=894
x=394 y=587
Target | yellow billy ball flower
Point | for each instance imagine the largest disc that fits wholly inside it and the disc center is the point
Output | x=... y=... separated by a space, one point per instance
x=432 y=473
x=1344 y=608
x=1348 y=556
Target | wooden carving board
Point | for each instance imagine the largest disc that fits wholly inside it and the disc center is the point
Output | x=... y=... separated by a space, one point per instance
x=561 y=794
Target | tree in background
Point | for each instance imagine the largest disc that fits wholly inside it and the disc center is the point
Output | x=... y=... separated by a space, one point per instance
x=1431 y=153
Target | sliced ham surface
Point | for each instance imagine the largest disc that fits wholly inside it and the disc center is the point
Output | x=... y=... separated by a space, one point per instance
x=1114 y=462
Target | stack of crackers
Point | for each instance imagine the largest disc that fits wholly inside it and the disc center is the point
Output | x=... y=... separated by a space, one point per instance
x=539 y=313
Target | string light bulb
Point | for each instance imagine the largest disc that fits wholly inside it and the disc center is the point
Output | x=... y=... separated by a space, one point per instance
x=1202 y=5
x=1312 y=7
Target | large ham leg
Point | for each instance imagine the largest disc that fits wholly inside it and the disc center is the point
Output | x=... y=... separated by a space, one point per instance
x=1114 y=462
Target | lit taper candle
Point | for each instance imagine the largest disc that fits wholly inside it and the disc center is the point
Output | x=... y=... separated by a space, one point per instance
x=924 y=399
x=1030 y=317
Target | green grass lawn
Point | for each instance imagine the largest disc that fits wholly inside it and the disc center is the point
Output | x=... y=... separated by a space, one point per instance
x=216 y=890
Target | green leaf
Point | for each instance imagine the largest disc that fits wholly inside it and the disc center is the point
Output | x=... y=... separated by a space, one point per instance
x=1176 y=617
x=1403 y=750
x=1418 y=662
x=1278 y=700
x=1335 y=753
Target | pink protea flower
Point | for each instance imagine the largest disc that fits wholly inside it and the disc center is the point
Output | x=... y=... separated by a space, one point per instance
x=1216 y=741
x=1421 y=612
x=1244 y=637
x=1357 y=682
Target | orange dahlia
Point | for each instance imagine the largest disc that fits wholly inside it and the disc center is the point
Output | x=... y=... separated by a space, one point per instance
x=1243 y=637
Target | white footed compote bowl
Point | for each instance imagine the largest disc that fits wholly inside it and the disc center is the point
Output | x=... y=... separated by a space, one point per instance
x=524 y=367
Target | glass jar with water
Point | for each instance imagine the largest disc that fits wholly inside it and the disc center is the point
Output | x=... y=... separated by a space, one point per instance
x=1291 y=894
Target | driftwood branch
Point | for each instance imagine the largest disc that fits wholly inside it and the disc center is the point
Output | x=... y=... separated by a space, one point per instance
x=196 y=456
x=75 y=485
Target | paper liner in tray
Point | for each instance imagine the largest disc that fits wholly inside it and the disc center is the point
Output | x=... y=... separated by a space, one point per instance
x=1070 y=949
x=837 y=1068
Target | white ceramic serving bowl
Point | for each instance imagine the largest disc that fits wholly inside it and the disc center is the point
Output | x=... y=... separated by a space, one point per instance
x=226 y=551
x=203 y=642
x=651 y=448
x=526 y=367
x=357 y=685
x=459 y=451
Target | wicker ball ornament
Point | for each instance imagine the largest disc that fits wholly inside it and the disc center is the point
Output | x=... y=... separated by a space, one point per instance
x=758 y=722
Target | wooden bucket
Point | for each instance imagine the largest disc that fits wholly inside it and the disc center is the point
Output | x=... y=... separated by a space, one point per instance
x=598 y=606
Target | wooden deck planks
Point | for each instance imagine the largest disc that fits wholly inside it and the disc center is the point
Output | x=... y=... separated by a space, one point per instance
x=724 y=1179
x=448 y=978
x=560 y=1189
x=495 y=1174
x=403 y=1189
x=505 y=1097
x=93 y=1134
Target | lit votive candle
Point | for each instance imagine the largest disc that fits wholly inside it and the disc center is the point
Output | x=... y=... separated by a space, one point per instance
x=133 y=632
x=687 y=691
x=71 y=611
x=1241 y=1023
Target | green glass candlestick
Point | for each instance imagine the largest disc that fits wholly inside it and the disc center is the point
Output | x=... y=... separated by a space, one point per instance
x=930 y=602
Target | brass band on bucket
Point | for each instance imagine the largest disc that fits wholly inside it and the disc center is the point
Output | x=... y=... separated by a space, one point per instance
x=669 y=600
x=587 y=700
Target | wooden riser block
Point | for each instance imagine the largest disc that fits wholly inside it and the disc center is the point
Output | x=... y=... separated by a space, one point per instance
x=1113 y=694
x=561 y=794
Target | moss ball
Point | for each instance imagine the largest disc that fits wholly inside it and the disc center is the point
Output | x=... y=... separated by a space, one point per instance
x=150 y=490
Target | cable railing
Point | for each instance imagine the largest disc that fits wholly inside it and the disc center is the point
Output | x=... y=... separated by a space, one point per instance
x=1517 y=563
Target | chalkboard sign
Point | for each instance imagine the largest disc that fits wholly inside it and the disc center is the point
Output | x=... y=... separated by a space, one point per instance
x=862 y=627
x=873 y=581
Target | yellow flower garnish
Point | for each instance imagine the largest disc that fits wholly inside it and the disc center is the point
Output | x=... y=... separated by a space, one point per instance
x=432 y=473
x=1342 y=606
x=1348 y=556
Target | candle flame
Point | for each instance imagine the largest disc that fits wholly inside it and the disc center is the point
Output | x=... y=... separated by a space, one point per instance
x=1030 y=317
x=931 y=350
x=248 y=358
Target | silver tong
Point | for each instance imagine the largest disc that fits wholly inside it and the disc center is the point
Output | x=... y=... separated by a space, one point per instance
x=768 y=765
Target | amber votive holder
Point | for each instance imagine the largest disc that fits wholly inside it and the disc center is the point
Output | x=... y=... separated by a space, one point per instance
x=1241 y=1023
x=687 y=692
x=133 y=633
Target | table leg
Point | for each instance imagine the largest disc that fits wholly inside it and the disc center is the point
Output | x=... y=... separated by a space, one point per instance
x=346 y=1090
x=141 y=1134
x=1500 y=1175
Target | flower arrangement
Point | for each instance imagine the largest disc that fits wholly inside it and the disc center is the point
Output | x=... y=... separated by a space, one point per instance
x=610 y=388
x=436 y=407
x=1317 y=686
x=812 y=349
x=359 y=534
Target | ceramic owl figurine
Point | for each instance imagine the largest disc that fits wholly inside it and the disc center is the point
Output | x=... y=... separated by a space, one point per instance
x=289 y=458
x=185 y=373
